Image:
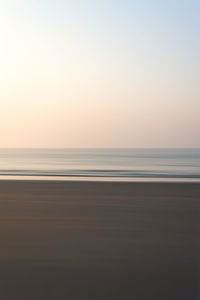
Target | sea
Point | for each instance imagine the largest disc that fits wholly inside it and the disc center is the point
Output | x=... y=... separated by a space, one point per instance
x=155 y=164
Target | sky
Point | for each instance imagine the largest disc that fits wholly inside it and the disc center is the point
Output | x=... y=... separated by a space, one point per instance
x=88 y=73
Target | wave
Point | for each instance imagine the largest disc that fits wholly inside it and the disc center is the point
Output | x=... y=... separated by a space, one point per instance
x=100 y=173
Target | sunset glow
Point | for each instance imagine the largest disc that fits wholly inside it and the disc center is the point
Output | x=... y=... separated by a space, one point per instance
x=94 y=74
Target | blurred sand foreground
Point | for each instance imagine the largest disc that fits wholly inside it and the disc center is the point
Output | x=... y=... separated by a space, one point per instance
x=99 y=240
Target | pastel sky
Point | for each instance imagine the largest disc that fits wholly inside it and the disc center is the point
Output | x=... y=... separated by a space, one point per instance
x=109 y=73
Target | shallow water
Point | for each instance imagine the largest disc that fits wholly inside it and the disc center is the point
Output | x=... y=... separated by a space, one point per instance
x=123 y=164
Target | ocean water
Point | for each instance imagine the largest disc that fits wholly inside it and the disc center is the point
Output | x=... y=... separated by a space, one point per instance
x=106 y=164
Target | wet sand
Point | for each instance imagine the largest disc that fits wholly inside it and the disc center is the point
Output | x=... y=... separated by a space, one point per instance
x=89 y=240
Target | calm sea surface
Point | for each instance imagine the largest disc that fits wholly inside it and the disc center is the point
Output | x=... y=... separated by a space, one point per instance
x=124 y=164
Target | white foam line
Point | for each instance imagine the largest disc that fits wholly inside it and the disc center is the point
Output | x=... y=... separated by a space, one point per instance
x=100 y=179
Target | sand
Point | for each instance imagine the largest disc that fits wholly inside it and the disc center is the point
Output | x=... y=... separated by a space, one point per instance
x=87 y=240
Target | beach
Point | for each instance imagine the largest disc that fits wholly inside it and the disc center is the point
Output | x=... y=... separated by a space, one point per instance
x=99 y=240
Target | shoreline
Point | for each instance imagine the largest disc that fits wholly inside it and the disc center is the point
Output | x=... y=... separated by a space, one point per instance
x=98 y=179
